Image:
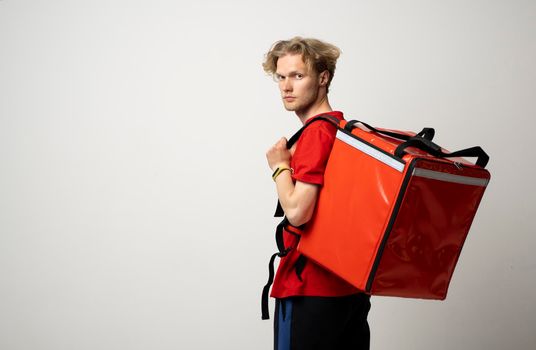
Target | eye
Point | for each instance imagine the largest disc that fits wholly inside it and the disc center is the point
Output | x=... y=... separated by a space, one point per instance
x=299 y=76
x=278 y=77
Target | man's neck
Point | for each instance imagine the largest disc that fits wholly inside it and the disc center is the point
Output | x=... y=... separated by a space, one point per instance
x=322 y=107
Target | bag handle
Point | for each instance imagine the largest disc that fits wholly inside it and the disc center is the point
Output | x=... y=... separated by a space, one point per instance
x=426 y=133
x=435 y=150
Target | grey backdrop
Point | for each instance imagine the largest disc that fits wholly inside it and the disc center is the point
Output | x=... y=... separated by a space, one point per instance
x=135 y=199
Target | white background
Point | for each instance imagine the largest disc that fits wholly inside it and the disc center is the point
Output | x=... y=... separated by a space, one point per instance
x=135 y=199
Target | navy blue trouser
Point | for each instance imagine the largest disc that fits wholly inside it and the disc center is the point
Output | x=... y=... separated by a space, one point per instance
x=324 y=323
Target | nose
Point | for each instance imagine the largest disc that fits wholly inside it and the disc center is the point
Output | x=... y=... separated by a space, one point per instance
x=286 y=84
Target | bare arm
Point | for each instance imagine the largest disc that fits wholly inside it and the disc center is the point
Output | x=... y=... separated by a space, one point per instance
x=298 y=200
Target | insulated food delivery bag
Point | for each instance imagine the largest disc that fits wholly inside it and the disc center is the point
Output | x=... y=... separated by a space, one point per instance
x=394 y=211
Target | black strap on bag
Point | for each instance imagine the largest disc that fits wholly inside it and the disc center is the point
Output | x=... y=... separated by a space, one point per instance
x=435 y=150
x=294 y=138
x=282 y=250
x=426 y=133
x=281 y=253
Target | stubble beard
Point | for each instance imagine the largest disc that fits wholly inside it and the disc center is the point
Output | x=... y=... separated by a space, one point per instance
x=296 y=106
x=289 y=106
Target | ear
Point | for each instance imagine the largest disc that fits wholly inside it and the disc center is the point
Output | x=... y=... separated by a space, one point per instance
x=324 y=78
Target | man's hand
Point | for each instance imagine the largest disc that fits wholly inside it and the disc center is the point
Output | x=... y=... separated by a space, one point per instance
x=279 y=155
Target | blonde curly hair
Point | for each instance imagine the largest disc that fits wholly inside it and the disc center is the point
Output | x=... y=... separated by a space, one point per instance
x=317 y=55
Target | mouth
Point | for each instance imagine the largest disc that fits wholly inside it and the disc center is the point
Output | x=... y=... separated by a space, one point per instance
x=289 y=98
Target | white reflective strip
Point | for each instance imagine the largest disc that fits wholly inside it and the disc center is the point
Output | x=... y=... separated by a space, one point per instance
x=371 y=151
x=437 y=175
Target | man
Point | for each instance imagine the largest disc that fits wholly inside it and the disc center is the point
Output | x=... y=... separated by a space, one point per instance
x=315 y=309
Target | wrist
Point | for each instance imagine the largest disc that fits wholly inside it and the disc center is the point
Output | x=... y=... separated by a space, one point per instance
x=281 y=165
x=280 y=169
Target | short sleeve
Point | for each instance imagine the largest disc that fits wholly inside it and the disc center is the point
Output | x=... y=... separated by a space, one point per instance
x=311 y=155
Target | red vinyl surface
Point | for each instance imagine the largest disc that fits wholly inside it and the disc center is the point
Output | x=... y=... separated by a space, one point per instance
x=410 y=249
x=427 y=236
x=355 y=201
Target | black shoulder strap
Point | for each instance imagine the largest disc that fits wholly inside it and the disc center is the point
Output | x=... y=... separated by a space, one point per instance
x=282 y=250
x=298 y=133
x=294 y=138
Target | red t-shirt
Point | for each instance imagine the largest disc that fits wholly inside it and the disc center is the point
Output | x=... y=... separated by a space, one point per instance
x=309 y=163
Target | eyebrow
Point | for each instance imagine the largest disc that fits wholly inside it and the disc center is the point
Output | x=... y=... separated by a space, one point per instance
x=294 y=72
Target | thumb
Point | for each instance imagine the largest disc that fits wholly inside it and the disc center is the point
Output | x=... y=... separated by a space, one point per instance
x=292 y=149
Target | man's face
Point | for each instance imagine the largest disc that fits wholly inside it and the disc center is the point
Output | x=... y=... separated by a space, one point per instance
x=298 y=85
